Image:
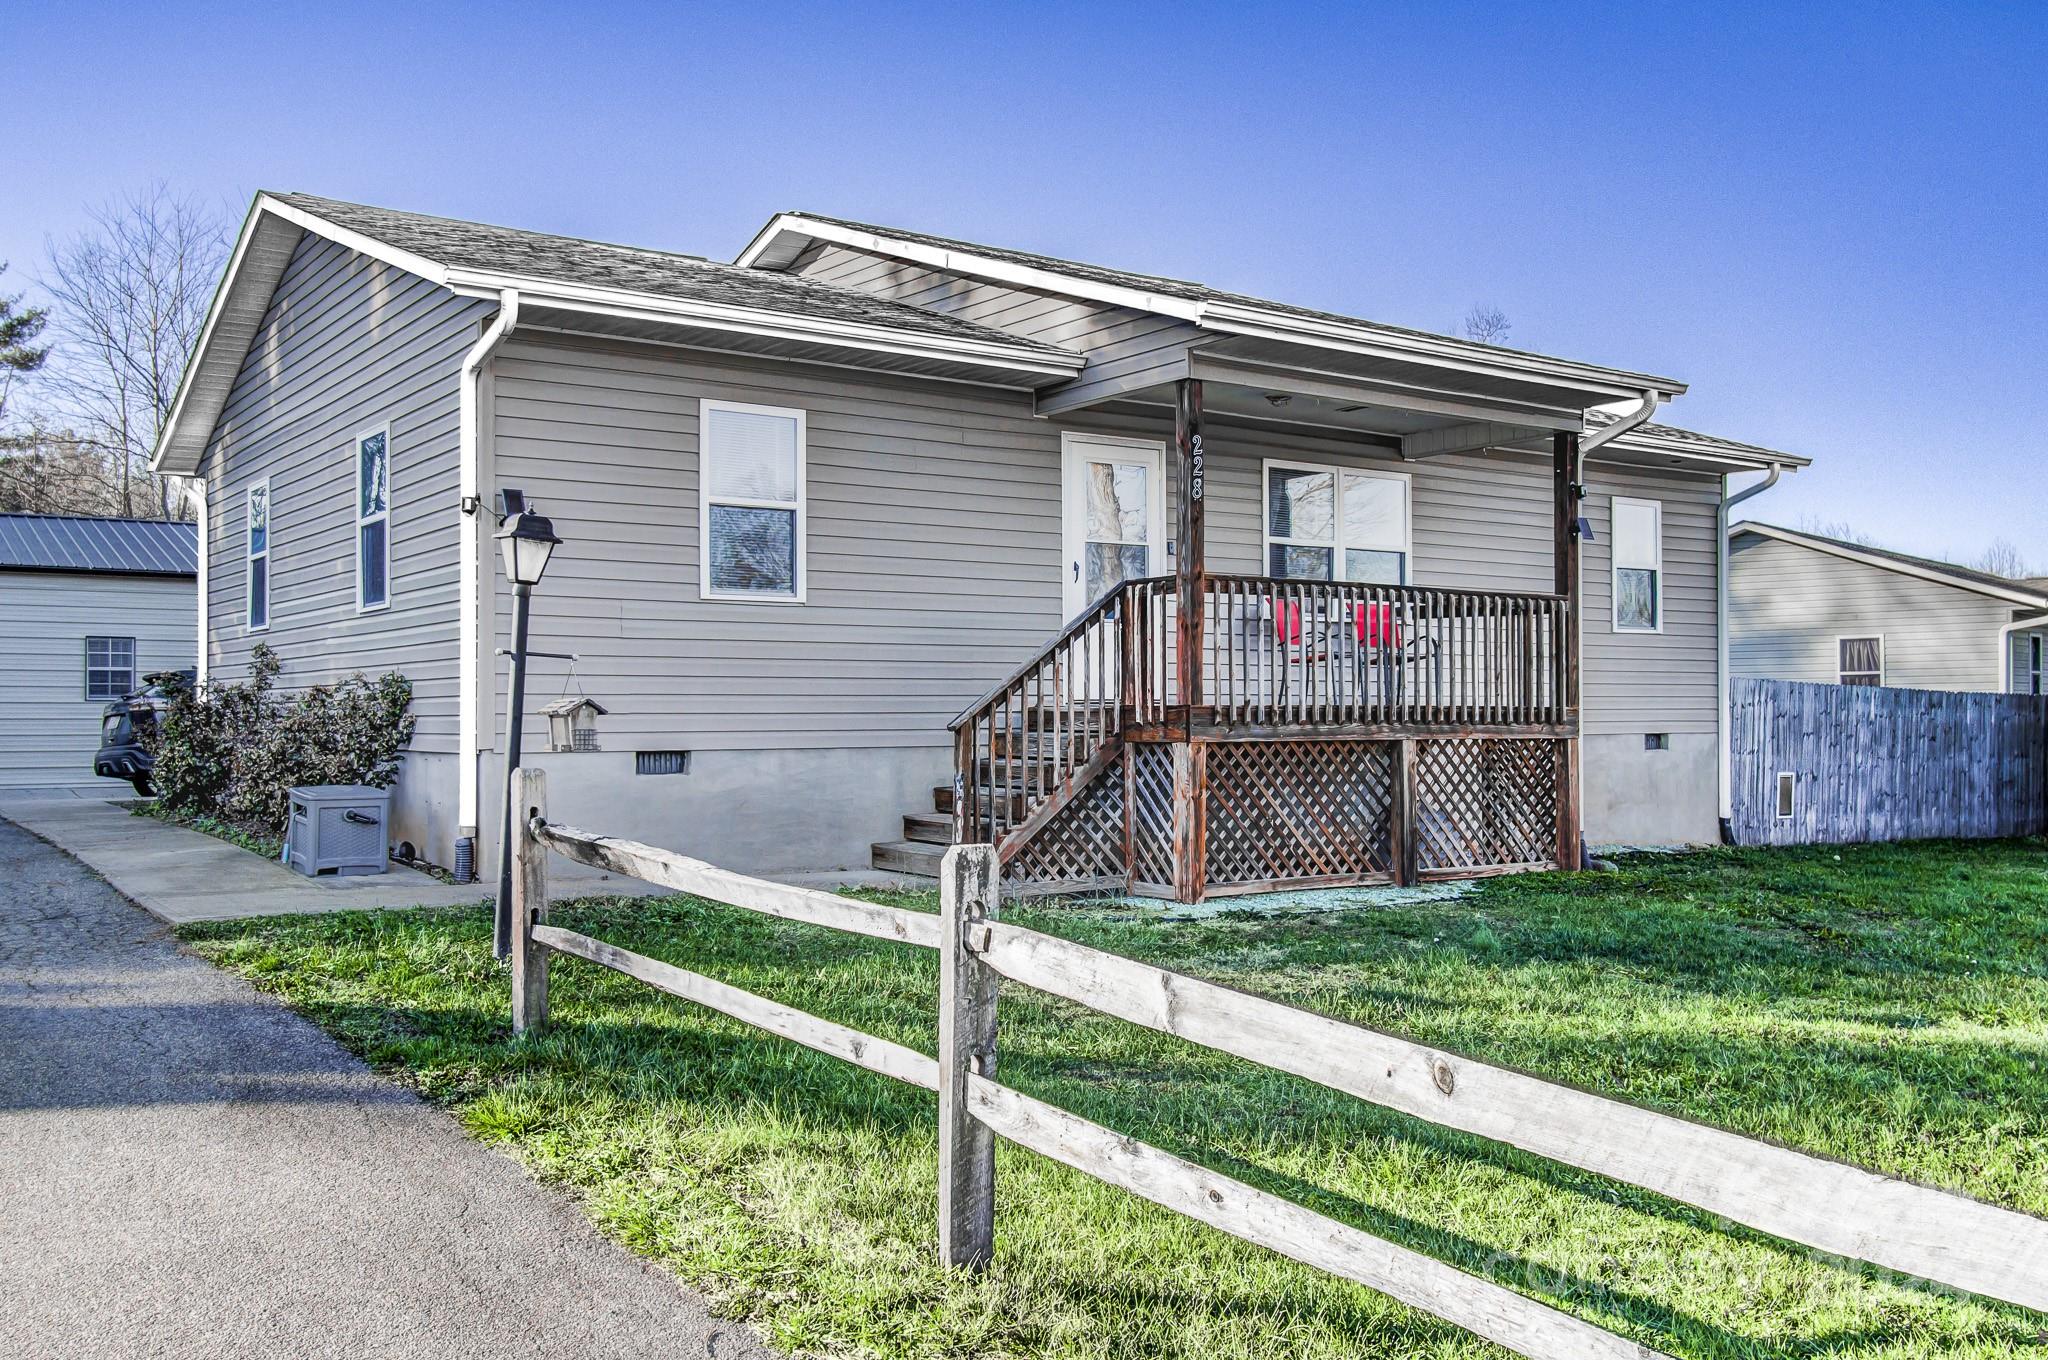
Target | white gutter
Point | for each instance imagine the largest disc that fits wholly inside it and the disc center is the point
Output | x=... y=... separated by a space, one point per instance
x=469 y=740
x=1725 y=772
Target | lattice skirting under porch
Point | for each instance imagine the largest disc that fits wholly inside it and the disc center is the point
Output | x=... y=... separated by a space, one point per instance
x=1292 y=812
x=1485 y=804
x=1298 y=812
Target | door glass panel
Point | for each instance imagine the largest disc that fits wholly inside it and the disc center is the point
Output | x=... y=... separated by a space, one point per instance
x=1111 y=564
x=1117 y=502
x=1116 y=525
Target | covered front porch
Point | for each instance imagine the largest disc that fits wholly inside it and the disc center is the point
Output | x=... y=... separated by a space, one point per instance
x=1327 y=722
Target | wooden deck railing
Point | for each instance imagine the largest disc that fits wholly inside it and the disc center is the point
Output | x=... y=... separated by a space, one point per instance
x=1278 y=655
x=1830 y=1206
x=1309 y=653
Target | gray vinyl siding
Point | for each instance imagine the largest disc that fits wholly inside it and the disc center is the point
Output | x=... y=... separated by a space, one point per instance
x=1128 y=350
x=1788 y=605
x=2019 y=666
x=48 y=728
x=347 y=343
x=935 y=553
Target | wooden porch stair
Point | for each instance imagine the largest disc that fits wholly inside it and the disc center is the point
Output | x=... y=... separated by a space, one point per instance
x=926 y=834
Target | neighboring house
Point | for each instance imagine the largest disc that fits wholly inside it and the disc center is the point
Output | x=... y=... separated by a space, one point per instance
x=815 y=503
x=91 y=605
x=1803 y=606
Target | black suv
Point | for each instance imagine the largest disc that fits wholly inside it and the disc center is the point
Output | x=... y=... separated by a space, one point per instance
x=128 y=724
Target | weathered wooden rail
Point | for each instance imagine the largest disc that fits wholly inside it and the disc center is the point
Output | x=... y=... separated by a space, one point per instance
x=1830 y=1206
x=1094 y=757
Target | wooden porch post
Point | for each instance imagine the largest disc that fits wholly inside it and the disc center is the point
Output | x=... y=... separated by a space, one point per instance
x=1566 y=499
x=1191 y=588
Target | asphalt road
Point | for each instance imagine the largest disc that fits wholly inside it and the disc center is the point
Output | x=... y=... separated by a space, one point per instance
x=188 y=1169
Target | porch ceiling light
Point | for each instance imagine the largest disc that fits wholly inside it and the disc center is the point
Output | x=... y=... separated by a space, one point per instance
x=1279 y=398
x=527 y=540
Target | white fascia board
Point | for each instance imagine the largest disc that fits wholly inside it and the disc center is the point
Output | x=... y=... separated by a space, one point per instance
x=1381 y=392
x=1239 y=319
x=2020 y=597
x=969 y=263
x=431 y=270
x=206 y=335
x=1745 y=455
x=537 y=292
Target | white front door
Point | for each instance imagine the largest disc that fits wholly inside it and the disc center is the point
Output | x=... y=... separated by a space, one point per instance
x=1115 y=516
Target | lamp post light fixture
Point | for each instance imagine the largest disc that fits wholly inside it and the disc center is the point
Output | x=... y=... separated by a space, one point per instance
x=527 y=539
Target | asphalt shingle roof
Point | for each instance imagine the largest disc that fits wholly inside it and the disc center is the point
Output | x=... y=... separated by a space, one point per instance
x=2022 y=584
x=1152 y=283
x=91 y=543
x=661 y=273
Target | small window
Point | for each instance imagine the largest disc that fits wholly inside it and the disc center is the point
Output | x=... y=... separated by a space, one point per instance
x=109 y=668
x=1656 y=741
x=1860 y=660
x=373 y=518
x=752 y=515
x=258 y=576
x=2033 y=663
x=1638 y=530
x=1336 y=524
x=1785 y=782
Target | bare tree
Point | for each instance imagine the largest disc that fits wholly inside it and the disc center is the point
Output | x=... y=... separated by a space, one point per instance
x=1487 y=324
x=49 y=471
x=1835 y=528
x=2002 y=558
x=129 y=295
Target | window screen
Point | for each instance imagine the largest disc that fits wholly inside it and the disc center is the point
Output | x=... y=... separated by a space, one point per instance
x=753 y=501
x=1861 y=661
x=1638 y=529
x=109 y=667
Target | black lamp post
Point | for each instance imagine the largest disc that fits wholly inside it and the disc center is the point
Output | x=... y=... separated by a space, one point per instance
x=527 y=538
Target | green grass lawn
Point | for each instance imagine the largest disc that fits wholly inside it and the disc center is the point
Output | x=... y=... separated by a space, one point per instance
x=1887 y=1005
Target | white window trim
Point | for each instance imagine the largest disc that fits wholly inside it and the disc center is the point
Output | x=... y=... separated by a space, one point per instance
x=249 y=556
x=355 y=483
x=705 y=407
x=1614 y=567
x=1336 y=544
x=134 y=666
x=2036 y=662
x=1841 y=638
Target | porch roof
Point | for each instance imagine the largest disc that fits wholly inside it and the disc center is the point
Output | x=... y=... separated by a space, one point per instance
x=1239 y=329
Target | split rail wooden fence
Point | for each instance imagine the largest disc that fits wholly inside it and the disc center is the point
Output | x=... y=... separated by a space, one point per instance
x=1829 y=1206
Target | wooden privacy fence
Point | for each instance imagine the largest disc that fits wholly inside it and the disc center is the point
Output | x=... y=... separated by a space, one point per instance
x=1827 y=764
x=1829 y=1206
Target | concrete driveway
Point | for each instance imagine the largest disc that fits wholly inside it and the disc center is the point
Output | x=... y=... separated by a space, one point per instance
x=187 y=1169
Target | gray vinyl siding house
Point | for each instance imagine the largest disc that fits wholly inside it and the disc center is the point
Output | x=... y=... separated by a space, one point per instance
x=939 y=410
x=91 y=606
x=1795 y=597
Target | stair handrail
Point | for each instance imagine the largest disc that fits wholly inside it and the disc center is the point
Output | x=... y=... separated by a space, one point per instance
x=1109 y=601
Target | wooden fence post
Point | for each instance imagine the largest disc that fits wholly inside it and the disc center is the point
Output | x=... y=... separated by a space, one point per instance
x=967 y=1045
x=529 y=901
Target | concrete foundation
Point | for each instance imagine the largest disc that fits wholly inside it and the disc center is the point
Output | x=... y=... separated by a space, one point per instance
x=759 y=812
x=1635 y=796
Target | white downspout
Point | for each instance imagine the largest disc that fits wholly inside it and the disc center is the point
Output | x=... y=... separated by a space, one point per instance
x=469 y=739
x=1725 y=771
x=195 y=492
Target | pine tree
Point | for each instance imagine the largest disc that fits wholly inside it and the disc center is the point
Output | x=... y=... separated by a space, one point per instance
x=19 y=326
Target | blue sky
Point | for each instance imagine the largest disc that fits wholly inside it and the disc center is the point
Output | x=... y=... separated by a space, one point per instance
x=1832 y=223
